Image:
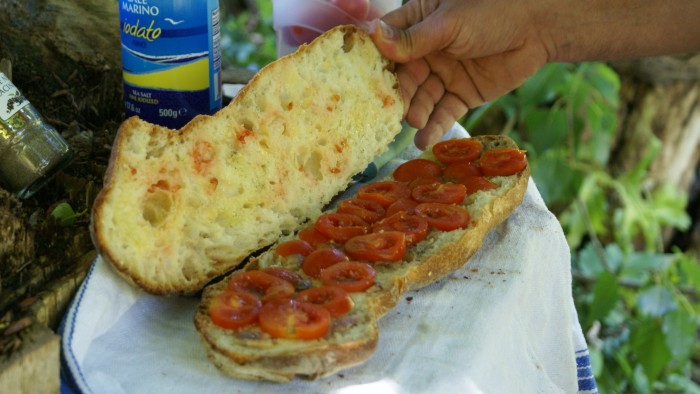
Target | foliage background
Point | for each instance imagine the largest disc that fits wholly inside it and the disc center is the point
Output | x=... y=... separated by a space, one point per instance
x=637 y=303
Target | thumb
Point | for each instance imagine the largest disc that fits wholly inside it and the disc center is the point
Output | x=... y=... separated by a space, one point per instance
x=402 y=45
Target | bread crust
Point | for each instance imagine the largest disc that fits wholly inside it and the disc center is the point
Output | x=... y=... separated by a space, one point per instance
x=280 y=362
x=182 y=207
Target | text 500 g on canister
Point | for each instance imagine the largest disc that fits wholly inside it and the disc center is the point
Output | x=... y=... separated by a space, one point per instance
x=171 y=59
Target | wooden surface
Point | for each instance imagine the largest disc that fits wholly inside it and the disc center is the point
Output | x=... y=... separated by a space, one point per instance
x=34 y=367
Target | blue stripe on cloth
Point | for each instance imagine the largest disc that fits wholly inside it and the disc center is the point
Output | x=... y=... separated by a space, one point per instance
x=586 y=380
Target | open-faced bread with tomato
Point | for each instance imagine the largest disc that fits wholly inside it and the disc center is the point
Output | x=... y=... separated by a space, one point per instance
x=268 y=322
x=182 y=207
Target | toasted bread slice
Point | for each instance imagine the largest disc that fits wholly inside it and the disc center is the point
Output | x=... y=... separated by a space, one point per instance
x=250 y=353
x=182 y=207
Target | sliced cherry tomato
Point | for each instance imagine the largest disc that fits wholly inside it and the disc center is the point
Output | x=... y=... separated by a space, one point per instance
x=321 y=259
x=340 y=227
x=417 y=168
x=298 y=281
x=333 y=298
x=476 y=183
x=384 y=192
x=503 y=162
x=402 y=204
x=414 y=226
x=379 y=246
x=454 y=150
x=444 y=217
x=313 y=237
x=234 y=309
x=367 y=210
x=351 y=276
x=294 y=246
x=424 y=181
x=445 y=193
x=260 y=284
x=460 y=169
x=288 y=318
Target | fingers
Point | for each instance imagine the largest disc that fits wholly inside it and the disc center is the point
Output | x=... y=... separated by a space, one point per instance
x=411 y=76
x=409 y=32
x=432 y=106
x=446 y=112
x=424 y=101
x=410 y=14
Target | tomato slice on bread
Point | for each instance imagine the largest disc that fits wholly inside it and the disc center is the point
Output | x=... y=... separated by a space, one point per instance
x=351 y=276
x=321 y=259
x=232 y=309
x=294 y=246
x=289 y=318
x=384 y=192
x=333 y=298
x=461 y=169
x=444 y=193
x=260 y=284
x=476 y=183
x=503 y=162
x=444 y=217
x=451 y=151
x=340 y=227
x=400 y=205
x=378 y=246
x=298 y=281
x=424 y=181
x=414 y=226
x=417 y=168
x=367 y=210
x=313 y=237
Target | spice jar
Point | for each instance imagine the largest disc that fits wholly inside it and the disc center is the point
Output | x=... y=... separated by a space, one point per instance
x=31 y=151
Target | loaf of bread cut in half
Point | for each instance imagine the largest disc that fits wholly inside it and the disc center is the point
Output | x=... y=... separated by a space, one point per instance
x=180 y=207
x=251 y=352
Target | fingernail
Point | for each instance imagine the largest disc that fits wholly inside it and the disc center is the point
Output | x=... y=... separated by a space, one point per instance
x=387 y=32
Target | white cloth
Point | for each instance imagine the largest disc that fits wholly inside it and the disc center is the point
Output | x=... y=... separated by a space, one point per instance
x=504 y=323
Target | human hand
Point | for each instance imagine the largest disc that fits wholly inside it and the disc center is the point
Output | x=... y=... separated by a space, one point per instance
x=454 y=55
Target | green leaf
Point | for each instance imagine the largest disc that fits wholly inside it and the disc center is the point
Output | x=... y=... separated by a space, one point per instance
x=639 y=266
x=648 y=344
x=508 y=104
x=605 y=81
x=597 y=361
x=605 y=295
x=544 y=86
x=64 y=214
x=656 y=301
x=614 y=256
x=551 y=165
x=691 y=271
x=683 y=384
x=669 y=206
x=600 y=127
x=546 y=128
x=680 y=331
x=640 y=381
x=475 y=116
x=588 y=261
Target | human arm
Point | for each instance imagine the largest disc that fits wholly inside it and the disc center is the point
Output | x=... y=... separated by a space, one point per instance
x=455 y=55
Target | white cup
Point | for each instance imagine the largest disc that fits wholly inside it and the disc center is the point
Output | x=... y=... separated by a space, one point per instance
x=300 y=21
